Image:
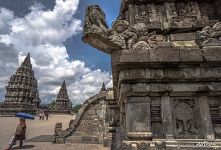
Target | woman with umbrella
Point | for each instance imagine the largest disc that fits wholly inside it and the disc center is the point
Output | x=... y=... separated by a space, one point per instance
x=20 y=130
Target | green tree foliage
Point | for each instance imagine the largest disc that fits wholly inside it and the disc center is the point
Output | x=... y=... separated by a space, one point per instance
x=76 y=108
x=52 y=104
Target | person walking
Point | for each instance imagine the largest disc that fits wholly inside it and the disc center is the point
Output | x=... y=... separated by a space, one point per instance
x=43 y=115
x=46 y=114
x=19 y=134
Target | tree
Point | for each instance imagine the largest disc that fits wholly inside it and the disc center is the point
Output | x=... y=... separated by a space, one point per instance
x=52 y=104
x=76 y=108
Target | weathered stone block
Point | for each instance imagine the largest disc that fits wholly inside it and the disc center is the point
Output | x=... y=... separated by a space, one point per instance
x=131 y=56
x=212 y=53
x=191 y=55
x=182 y=36
x=164 y=54
x=138 y=114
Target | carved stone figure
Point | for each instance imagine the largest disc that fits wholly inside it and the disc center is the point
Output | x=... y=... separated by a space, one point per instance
x=210 y=36
x=95 y=17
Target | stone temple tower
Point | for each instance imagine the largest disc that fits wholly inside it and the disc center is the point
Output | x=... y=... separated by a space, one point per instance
x=63 y=104
x=166 y=67
x=22 y=93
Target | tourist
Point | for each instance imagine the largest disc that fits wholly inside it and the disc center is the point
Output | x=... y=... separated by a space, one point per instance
x=19 y=134
x=46 y=114
x=40 y=115
x=43 y=115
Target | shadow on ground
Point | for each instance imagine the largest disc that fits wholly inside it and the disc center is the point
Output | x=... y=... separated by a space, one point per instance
x=42 y=138
x=25 y=147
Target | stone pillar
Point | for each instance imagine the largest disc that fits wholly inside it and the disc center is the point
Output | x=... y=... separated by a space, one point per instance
x=167 y=120
x=206 y=118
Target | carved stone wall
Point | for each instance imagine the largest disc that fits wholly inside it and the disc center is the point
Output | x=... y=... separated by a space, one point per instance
x=167 y=52
x=92 y=122
x=95 y=121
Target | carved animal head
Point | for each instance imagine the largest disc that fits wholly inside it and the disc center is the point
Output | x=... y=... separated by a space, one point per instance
x=96 y=16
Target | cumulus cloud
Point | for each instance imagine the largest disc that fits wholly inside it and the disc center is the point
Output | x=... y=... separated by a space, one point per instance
x=6 y=16
x=42 y=33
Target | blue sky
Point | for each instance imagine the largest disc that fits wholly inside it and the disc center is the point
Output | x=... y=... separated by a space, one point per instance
x=76 y=48
x=51 y=31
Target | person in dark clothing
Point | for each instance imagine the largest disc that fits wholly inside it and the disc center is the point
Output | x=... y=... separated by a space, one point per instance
x=19 y=134
x=46 y=114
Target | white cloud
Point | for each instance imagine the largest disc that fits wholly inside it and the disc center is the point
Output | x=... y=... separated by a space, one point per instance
x=6 y=16
x=42 y=33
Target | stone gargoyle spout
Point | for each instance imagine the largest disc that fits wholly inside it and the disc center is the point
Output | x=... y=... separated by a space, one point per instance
x=122 y=35
x=96 y=32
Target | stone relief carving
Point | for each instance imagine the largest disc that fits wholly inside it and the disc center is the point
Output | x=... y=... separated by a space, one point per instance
x=174 y=14
x=91 y=124
x=121 y=36
x=138 y=36
x=209 y=36
x=184 y=114
x=161 y=74
x=143 y=146
x=140 y=87
x=126 y=146
x=184 y=15
x=161 y=88
x=134 y=37
x=57 y=133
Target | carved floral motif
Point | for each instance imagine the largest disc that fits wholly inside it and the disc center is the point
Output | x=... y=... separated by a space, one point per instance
x=184 y=114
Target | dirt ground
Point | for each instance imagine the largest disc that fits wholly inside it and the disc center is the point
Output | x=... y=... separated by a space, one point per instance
x=37 y=128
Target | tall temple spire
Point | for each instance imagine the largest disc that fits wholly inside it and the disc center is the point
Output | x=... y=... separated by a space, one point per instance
x=63 y=104
x=103 y=88
x=63 y=94
x=27 y=61
x=22 y=92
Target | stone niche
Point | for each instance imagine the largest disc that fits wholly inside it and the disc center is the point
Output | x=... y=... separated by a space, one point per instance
x=138 y=117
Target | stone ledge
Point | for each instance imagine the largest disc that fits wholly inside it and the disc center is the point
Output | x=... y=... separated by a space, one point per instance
x=169 y=53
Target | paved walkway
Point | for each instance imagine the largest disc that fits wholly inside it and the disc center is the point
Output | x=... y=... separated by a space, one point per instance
x=38 y=128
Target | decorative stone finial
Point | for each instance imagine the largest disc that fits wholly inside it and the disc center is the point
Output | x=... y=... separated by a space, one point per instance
x=103 y=88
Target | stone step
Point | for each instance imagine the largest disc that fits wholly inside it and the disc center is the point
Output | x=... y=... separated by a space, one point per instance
x=84 y=139
x=189 y=144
